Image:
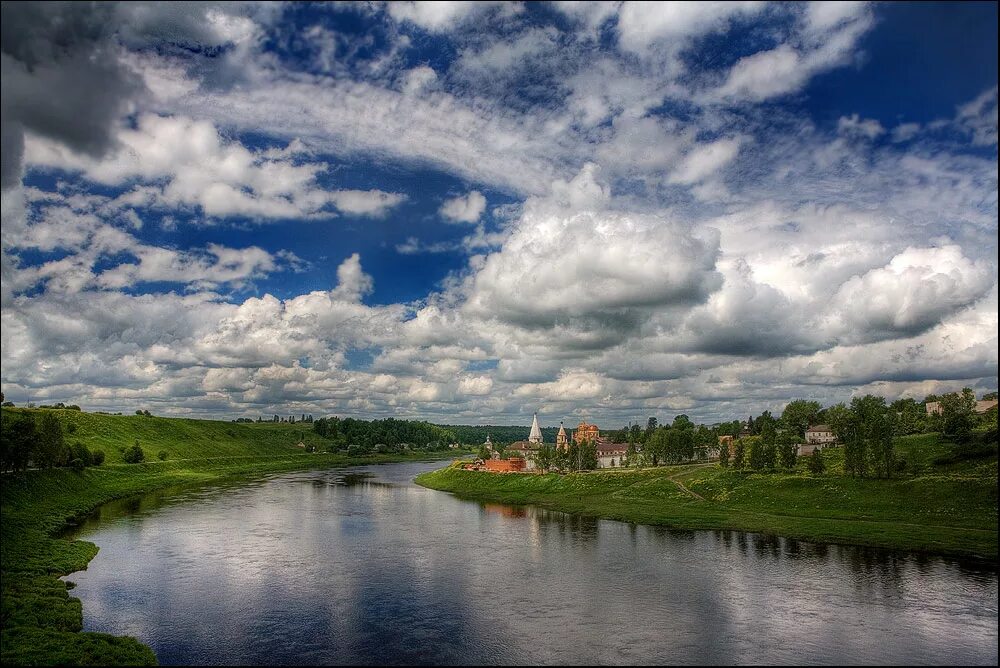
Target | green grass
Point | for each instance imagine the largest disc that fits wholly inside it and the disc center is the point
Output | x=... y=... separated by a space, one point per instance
x=949 y=510
x=40 y=621
x=181 y=438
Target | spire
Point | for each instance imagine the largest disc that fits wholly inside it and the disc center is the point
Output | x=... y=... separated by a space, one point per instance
x=535 y=435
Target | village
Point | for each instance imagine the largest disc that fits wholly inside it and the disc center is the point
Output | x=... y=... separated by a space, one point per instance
x=533 y=456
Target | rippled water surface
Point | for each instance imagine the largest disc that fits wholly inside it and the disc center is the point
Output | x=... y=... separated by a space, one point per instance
x=362 y=566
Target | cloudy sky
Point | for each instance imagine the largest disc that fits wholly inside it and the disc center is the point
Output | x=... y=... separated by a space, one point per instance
x=467 y=212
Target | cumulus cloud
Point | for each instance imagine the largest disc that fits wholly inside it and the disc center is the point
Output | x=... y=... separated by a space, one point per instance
x=202 y=169
x=571 y=262
x=467 y=209
x=914 y=291
x=65 y=47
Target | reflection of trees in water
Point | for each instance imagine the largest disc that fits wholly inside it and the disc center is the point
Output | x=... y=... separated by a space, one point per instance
x=766 y=546
x=663 y=534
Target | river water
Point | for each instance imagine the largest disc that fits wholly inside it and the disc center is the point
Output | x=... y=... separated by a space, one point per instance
x=361 y=566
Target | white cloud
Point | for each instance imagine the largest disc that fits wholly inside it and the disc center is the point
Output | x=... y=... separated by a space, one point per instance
x=703 y=161
x=202 y=169
x=855 y=126
x=467 y=209
x=439 y=15
x=979 y=118
x=641 y=24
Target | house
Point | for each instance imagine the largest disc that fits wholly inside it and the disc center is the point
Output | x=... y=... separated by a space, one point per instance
x=525 y=450
x=820 y=434
x=610 y=455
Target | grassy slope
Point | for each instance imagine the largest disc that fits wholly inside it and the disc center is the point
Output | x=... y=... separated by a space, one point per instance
x=945 y=510
x=40 y=621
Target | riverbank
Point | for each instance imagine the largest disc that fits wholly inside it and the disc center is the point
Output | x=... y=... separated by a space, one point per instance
x=948 y=509
x=41 y=622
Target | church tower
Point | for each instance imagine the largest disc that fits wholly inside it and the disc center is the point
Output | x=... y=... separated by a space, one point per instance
x=535 y=435
x=562 y=443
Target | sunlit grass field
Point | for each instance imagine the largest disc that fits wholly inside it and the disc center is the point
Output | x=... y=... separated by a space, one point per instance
x=940 y=508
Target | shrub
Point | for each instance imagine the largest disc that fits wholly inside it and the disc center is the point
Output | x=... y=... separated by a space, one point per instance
x=97 y=457
x=71 y=427
x=133 y=454
x=77 y=465
x=162 y=455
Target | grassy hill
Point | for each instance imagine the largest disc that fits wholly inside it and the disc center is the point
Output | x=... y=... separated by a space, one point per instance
x=180 y=438
x=944 y=508
x=40 y=622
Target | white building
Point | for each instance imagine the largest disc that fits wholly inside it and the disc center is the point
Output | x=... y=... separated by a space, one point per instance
x=820 y=434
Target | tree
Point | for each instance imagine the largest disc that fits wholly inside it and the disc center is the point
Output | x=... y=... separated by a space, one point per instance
x=869 y=437
x=957 y=411
x=656 y=446
x=51 y=449
x=682 y=422
x=758 y=455
x=484 y=452
x=838 y=417
x=651 y=424
x=18 y=440
x=799 y=415
x=739 y=454
x=724 y=455
x=788 y=449
x=816 y=464
x=544 y=457
x=133 y=454
x=631 y=455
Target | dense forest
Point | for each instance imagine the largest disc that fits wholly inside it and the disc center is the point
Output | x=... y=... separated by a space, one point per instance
x=388 y=435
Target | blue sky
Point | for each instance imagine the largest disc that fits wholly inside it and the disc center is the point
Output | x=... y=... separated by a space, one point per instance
x=468 y=212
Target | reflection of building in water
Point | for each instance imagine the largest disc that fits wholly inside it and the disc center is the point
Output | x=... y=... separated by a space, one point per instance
x=505 y=510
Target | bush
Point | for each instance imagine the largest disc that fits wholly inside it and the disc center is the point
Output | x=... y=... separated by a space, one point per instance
x=97 y=457
x=77 y=465
x=71 y=427
x=78 y=451
x=162 y=455
x=133 y=454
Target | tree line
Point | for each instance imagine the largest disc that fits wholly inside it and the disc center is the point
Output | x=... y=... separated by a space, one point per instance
x=389 y=435
x=26 y=441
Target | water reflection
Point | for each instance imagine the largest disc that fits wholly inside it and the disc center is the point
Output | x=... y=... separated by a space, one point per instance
x=362 y=567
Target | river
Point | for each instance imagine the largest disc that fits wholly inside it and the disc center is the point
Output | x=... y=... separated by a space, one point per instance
x=362 y=566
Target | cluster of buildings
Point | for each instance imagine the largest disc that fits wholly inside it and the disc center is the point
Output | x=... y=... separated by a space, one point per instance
x=609 y=454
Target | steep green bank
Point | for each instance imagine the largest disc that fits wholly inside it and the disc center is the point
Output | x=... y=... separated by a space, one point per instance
x=40 y=622
x=943 y=508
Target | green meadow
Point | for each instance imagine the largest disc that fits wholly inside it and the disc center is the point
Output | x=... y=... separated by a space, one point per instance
x=936 y=506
